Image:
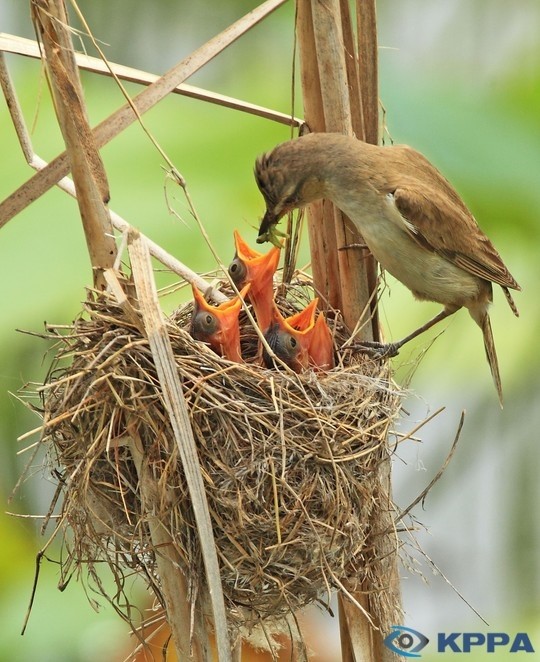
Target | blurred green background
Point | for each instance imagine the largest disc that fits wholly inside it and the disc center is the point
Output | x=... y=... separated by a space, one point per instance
x=460 y=81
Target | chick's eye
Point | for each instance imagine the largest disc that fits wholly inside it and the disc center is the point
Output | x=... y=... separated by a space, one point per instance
x=292 y=342
x=237 y=271
x=206 y=323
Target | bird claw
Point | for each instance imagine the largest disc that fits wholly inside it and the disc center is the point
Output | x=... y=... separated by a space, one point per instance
x=377 y=350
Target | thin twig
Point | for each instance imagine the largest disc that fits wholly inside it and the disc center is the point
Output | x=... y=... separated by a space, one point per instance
x=424 y=492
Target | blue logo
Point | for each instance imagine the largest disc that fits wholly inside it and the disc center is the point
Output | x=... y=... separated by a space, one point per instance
x=405 y=641
x=408 y=642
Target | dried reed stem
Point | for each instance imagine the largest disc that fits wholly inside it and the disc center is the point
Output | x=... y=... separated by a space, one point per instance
x=89 y=175
x=340 y=94
x=122 y=118
x=329 y=42
x=368 y=68
x=385 y=541
x=322 y=238
x=21 y=46
x=338 y=275
x=175 y=403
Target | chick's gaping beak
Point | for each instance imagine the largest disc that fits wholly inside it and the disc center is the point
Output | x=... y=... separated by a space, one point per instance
x=218 y=325
x=257 y=269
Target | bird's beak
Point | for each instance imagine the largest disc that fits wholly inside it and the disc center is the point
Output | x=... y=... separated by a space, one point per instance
x=225 y=339
x=199 y=302
x=303 y=321
x=260 y=270
x=269 y=219
x=268 y=230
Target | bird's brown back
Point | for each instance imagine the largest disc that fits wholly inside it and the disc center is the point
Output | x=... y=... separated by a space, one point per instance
x=439 y=219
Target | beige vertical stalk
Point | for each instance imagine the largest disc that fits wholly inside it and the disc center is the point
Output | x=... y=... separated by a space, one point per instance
x=340 y=90
x=332 y=103
x=89 y=175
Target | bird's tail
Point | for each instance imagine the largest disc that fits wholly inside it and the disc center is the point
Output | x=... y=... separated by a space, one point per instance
x=510 y=301
x=489 y=345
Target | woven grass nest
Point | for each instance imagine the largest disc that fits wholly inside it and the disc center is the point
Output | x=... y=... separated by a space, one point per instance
x=289 y=461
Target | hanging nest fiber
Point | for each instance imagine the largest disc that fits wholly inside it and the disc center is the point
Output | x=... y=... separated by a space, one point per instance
x=290 y=462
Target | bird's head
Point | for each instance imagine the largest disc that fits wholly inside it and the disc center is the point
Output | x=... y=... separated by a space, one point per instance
x=287 y=347
x=288 y=178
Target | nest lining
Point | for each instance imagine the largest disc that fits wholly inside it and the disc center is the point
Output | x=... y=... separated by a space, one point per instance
x=289 y=461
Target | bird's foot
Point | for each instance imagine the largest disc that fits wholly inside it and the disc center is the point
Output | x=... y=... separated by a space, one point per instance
x=377 y=350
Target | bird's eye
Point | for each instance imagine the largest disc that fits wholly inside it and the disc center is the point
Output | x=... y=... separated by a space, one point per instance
x=204 y=325
x=237 y=271
x=292 y=342
x=291 y=200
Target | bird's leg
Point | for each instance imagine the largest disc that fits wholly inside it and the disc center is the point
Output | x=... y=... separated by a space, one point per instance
x=388 y=350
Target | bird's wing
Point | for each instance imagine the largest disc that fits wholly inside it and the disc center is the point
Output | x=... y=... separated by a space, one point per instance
x=442 y=223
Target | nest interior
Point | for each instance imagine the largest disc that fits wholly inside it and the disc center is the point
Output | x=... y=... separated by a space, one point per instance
x=290 y=462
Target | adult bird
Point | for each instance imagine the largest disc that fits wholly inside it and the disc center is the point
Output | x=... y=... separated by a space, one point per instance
x=254 y=268
x=218 y=325
x=411 y=218
x=300 y=340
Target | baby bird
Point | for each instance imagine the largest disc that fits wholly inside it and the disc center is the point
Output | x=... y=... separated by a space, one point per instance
x=218 y=325
x=299 y=340
x=254 y=268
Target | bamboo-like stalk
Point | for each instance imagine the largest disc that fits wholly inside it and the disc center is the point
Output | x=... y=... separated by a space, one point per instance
x=386 y=544
x=368 y=68
x=340 y=94
x=322 y=238
x=339 y=275
x=367 y=124
x=177 y=411
x=89 y=175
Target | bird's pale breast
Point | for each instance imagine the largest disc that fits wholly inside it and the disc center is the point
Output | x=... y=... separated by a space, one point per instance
x=426 y=273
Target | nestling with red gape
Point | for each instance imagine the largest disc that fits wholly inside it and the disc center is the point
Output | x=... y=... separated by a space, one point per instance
x=254 y=268
x=299 y=340
x=218 y=325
